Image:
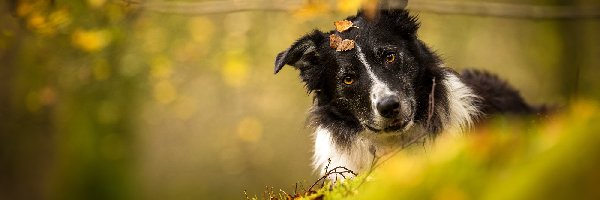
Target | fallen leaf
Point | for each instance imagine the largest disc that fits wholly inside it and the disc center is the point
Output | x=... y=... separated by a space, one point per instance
x=343 y=25
x=345 y=45
x=334 y=41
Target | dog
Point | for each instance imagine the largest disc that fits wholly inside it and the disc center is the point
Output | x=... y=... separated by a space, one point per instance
x=386 y=88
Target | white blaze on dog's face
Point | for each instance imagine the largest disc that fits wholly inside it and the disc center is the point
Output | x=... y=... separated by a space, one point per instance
x=372 y=86
x=388 y=108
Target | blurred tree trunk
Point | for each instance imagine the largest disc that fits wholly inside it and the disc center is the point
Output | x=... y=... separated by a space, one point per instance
x=26 y=143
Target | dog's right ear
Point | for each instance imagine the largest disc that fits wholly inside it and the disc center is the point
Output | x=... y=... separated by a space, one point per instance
x=302 y=54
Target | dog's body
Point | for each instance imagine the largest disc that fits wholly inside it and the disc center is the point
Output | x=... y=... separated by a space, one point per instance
x=388 y=90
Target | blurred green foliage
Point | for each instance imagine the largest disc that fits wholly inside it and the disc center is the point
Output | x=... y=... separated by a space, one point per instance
x=101 y=99
x=556 y=158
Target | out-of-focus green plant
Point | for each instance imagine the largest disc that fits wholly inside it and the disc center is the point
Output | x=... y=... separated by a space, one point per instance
x=555 y=158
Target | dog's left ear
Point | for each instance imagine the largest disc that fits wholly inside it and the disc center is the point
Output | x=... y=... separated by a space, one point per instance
x=400 y=19
x=302 y=54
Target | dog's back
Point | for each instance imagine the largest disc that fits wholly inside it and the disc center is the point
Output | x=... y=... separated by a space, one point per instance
x=498 y=97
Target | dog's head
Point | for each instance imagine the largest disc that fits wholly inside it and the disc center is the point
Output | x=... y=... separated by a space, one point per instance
x=377 y=83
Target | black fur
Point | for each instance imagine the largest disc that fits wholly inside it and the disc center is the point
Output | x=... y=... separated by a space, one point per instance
x=346 y=110
x=498 y=96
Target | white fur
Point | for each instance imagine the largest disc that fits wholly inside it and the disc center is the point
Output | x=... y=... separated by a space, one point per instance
x=359 y=155
x=461 y=104
x=356 y=158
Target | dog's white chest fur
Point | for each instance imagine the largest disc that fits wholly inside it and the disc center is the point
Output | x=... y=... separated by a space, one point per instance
x=355 y=158
x=360 y=154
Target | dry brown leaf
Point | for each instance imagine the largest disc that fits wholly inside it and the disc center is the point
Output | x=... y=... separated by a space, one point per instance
x=343 y=25
x=345 y=45
x=334 y=41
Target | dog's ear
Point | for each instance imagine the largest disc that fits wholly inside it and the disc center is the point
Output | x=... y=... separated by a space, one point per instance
x=302 y=54
x=400 y=19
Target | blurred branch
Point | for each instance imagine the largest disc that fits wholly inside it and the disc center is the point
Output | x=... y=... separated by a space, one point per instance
x=212 y=7
x=441 y=7
x=506 y=10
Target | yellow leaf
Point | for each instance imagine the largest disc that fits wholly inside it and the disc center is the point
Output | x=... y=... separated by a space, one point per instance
x=343 y=25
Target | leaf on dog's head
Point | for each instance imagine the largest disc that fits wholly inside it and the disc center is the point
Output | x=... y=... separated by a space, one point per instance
x=334 y=41
x=343 y=25
x=345 y=45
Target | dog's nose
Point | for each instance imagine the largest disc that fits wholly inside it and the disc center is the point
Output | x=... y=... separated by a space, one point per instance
x=389 y=107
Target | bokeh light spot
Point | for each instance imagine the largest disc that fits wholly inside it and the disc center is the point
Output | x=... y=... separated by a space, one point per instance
x=311 y=9
x=48 y=96
x=201 y=29
x=164 y=92
x=90 y=40
x=36 y=21
x=59 y=18
x=96 y=3
x=161 y=68
x=235 y=72
x=250 y=129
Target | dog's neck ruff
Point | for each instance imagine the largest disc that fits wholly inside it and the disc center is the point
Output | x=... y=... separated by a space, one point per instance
x=461 y=109
x=457 y=114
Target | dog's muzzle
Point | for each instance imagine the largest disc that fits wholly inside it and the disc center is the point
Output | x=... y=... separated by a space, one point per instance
x=395 y=115
x=389 y=107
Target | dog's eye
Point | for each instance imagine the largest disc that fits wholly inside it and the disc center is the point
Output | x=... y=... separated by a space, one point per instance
x=348 y=80
x=390 y=58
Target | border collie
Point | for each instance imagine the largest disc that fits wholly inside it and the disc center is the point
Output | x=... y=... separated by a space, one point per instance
x=385 y=88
